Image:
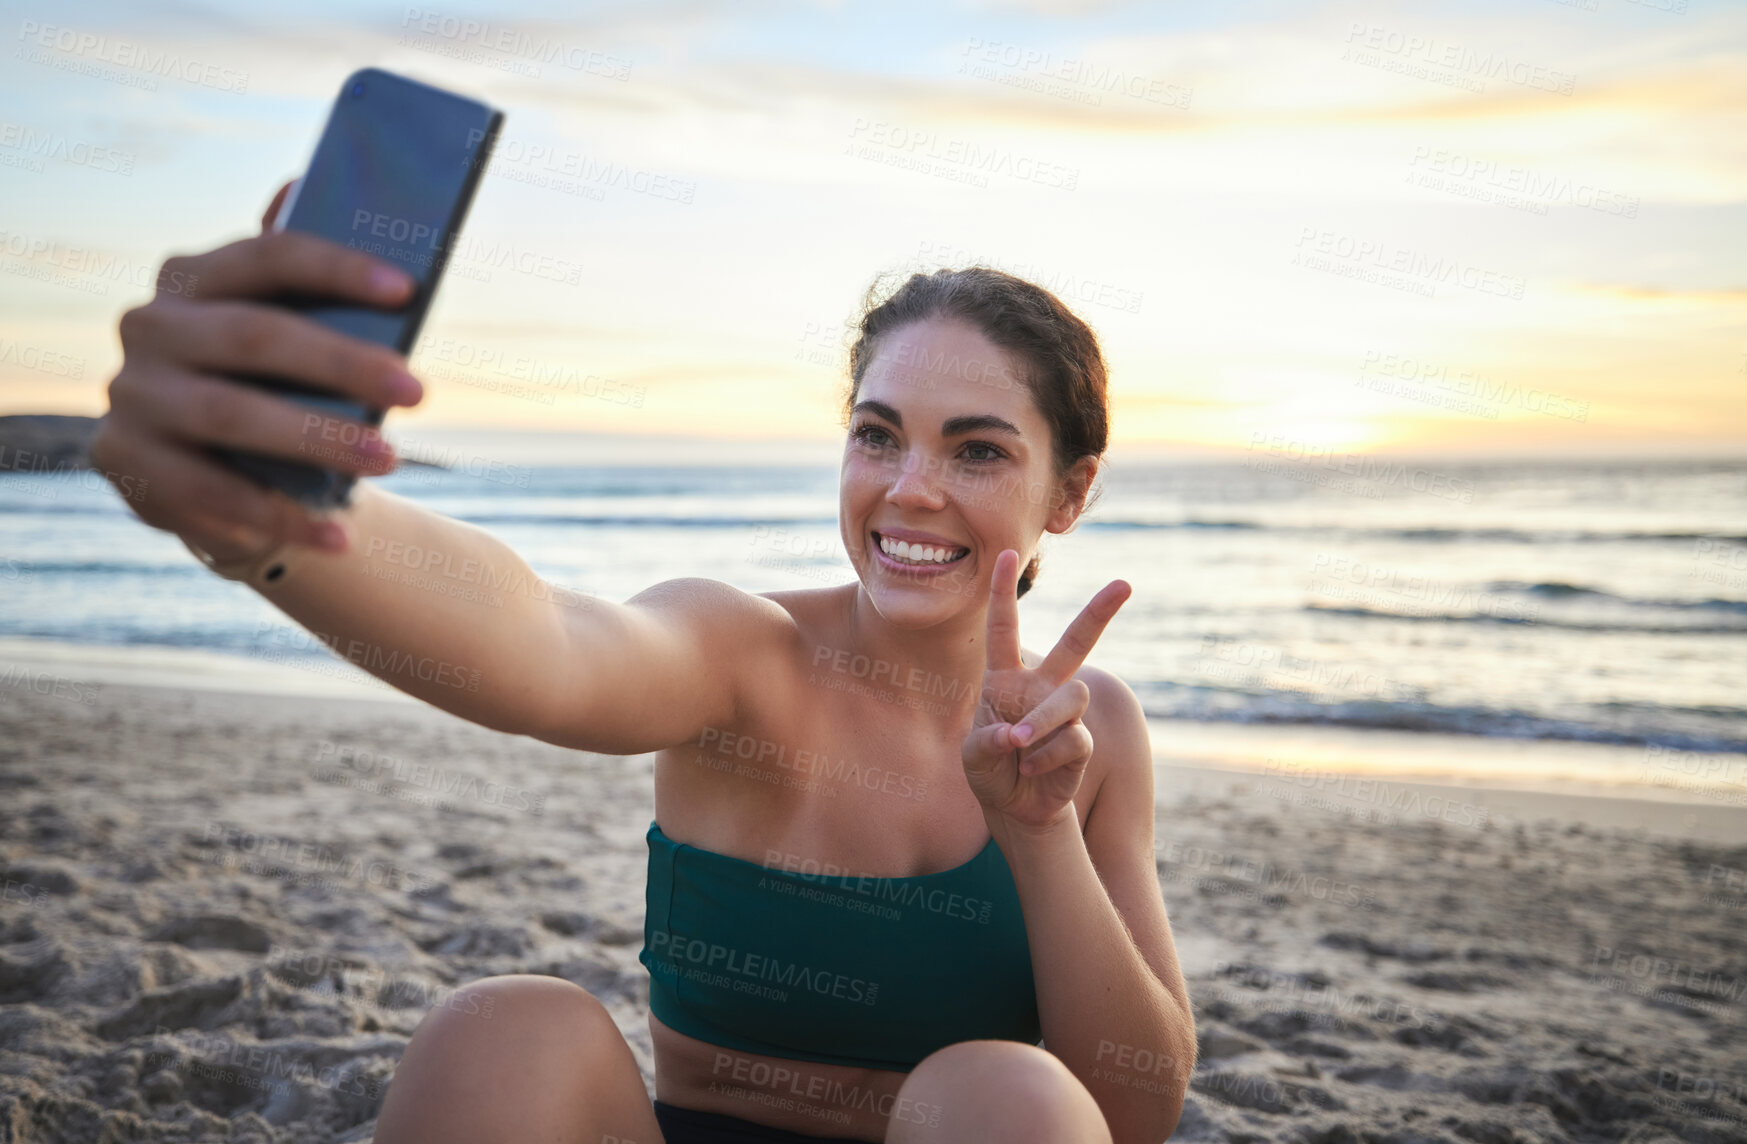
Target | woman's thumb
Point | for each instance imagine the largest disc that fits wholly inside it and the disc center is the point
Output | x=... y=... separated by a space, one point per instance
x=986 y=746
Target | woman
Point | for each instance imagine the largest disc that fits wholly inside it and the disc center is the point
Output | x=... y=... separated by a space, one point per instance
x=977 y=897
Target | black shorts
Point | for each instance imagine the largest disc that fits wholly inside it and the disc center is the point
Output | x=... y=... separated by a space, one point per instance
x=690 y=1126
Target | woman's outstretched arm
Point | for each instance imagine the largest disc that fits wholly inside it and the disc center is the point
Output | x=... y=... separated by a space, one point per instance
x=450 y=614
x=438 y=608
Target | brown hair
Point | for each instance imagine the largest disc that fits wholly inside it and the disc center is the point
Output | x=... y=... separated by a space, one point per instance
x=1064 y=370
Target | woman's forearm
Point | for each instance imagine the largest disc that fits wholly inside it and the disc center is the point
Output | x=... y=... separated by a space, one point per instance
x=1105 y=1013
x=436 y=607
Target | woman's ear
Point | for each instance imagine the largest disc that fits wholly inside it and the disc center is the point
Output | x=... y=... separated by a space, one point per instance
x=1070 y=500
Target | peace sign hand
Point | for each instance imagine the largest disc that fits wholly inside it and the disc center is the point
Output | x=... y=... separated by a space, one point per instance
x=1028 y=782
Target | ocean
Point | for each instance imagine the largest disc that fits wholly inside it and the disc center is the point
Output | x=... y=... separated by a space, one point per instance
x=1587 y=602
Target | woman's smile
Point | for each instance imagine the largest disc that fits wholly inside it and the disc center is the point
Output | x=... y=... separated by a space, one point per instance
x=915 y=560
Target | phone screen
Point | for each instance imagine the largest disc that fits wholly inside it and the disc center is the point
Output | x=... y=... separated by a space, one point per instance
x=392 y=176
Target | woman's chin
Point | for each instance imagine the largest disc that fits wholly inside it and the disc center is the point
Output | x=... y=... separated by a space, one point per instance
x=914 y=605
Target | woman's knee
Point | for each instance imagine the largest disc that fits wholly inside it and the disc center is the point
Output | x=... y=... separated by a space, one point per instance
x=995 y=1090
x=537 y=1053
x=519 y=999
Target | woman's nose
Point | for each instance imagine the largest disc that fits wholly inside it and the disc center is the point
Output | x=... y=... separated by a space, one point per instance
x=916 y=478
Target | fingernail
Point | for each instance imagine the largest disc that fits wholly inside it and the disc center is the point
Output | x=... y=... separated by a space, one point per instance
x=407 y=389
x=330 y=537
x=389 y=282
x=1022 y=734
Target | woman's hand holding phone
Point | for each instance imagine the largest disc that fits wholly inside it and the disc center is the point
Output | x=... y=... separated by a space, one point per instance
x=171 y=401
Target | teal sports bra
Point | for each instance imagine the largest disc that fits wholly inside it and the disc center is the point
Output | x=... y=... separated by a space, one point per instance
x=840 y=969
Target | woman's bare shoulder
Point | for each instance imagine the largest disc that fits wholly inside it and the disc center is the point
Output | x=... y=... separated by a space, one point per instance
x=742 y=624
x=727 y=621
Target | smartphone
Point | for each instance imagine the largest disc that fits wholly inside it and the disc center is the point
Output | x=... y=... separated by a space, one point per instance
x=392 y=175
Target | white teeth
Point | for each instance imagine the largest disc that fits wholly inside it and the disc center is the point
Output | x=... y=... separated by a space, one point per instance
x=919 y=553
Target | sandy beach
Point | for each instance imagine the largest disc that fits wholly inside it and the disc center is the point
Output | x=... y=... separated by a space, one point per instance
x=225 y=912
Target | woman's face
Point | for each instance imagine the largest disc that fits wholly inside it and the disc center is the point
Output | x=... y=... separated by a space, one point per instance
x=948 y=454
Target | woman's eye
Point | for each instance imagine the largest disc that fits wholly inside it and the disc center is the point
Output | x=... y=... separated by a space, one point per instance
x=993 y=453
x=866 y=433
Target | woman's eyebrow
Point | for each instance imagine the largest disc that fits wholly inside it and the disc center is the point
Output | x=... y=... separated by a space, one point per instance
x=971 y=423
x=951 y=427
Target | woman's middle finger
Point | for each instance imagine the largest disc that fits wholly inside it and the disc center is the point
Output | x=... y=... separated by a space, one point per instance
x=286 y=262
x=210 y=411
x=1064 y=745
x=1069 y=701
x=245 y=337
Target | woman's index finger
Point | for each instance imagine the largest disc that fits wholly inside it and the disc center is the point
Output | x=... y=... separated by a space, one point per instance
x=1070 y=652
x=1002 y=642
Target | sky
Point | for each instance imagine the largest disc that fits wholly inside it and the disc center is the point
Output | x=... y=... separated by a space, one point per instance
x=1468 y=229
